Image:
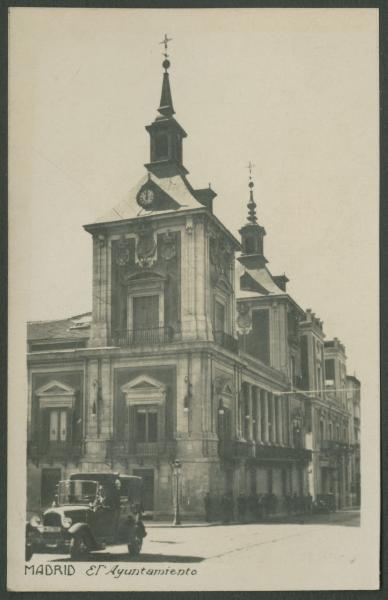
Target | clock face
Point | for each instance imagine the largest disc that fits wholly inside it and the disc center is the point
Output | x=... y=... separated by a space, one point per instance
x=146 y=198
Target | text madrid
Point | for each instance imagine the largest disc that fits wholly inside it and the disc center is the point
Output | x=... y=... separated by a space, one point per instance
x=115 y=571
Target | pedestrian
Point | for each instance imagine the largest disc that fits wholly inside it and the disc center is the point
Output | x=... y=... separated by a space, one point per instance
x=208 y=507
x=294 y=503
x=288 y=504
x=225 y=508
x=266 y=506
x=252 y=506
x=274 y=503
x=230 y=507
x=241 y=506
x=260 y=509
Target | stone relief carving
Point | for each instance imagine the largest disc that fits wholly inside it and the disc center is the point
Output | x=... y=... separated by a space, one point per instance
x=168 y=250
x=145 y=246
x=244 y=318
x=122 y=252
x=220 y=255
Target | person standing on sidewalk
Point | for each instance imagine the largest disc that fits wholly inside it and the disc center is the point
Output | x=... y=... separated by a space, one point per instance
x=208 y=507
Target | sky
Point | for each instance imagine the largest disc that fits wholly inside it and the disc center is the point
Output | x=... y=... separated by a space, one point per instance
x=295 y=91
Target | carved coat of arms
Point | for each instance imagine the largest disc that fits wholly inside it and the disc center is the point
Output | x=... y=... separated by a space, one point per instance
x=168 y=250
x=122 y=252
x=244 y=320
x=146 y=246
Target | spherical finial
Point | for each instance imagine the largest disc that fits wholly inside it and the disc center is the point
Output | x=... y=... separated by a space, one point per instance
x=166 y=64
x=251 y=184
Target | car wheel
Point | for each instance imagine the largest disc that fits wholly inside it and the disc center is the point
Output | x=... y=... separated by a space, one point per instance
x=28 y=552
x=135 y=544
x=78 y=547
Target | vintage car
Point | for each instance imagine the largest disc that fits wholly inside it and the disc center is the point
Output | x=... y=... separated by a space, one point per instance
x=324 y=503
x=89 y=512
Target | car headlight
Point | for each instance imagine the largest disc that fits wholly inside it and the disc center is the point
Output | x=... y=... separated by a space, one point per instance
x=35 y=521
x=66 y=522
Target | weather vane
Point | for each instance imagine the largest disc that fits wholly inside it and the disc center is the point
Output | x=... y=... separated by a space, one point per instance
x=165 y=43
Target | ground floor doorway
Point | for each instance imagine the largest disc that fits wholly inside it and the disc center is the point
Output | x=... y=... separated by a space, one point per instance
x=148 y=477
x=49 y=481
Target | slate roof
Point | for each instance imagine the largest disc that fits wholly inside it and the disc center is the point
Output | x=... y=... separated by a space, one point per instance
x=176 y=187
x=262 y=277
x=73 y=328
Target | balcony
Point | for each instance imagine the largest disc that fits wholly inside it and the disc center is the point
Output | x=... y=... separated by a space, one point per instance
x=235 y=449
x=51 y=451
x=152 y=336
x=125 y=449
x=226 y=341
x=282 y=453
x=334 y=446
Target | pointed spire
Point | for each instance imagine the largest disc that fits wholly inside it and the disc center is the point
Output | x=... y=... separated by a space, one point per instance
x=251 y=204
x=166 y=107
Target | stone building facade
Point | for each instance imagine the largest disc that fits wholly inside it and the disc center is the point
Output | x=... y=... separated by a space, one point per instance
x=193 y=351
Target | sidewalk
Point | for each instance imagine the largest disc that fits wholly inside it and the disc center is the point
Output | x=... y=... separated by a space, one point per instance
x=301 y=519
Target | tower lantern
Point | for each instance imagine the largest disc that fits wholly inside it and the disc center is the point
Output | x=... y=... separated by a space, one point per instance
x=252 y=234
x=166 y=134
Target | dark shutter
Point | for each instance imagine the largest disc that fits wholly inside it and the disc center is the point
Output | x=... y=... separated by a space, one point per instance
x=45 y=429
x=152 y=426
x=140 y=425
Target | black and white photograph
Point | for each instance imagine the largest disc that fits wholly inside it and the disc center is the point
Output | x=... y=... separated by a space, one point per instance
x=193 y=397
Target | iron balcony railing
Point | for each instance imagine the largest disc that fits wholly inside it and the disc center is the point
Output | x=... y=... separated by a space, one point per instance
x=62 y=450
x=126 y=448
x=151 y=336
x=238 y=449
x=234 y=449
x=334 y=446
x=226 y=341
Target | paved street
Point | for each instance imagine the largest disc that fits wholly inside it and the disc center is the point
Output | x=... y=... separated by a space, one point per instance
x=254 y=553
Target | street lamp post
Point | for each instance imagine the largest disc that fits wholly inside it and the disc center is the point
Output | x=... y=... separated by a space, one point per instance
x=176 y=466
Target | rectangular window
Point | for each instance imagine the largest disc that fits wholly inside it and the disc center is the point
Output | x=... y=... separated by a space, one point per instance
x=58 y=425
x=321 y=431
x=145 y=312
x=329 y=371
x=304 y=362
x=219 y=316
x=255 y=423
x=258 y=340
x=263 y=415
x=319 y=381
x=146 y=425
x=284 y=482
x=141 y=428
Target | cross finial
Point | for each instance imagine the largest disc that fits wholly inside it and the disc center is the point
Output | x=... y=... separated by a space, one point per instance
x=251 y=204
x=250 y=166
x=165 y=43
